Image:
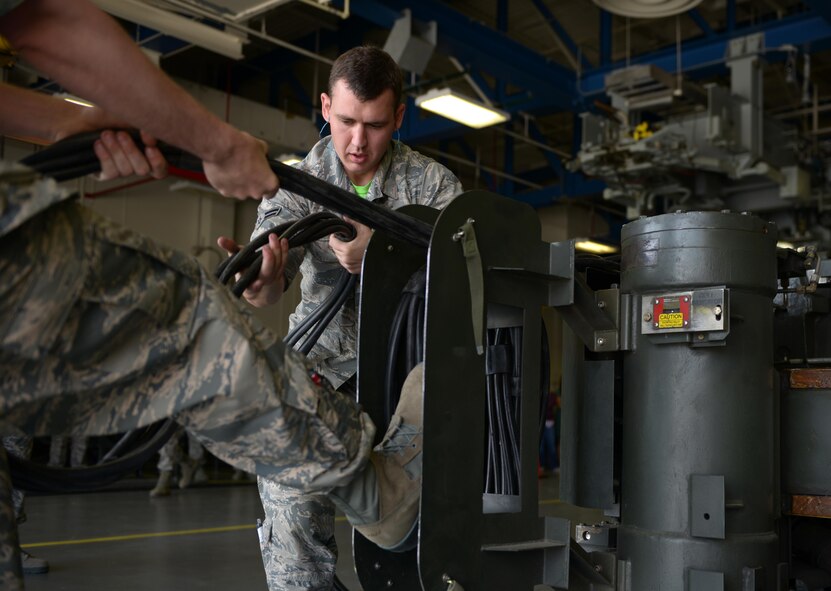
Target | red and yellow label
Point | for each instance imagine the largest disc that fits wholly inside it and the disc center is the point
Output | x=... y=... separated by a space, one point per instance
x=671 y=320
x=671 y=312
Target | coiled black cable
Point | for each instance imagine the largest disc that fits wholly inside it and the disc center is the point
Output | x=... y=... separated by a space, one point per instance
x=31 y=476
x=405 y=348
x=324 y=313
x=248 y=261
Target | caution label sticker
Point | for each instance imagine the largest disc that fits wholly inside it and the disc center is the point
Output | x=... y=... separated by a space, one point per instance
x=671 y=320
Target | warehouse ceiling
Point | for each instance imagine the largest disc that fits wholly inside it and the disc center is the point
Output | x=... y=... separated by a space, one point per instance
x=543 y=61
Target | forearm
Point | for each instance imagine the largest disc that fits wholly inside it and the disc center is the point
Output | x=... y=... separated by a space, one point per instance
x=34 y=115
x=87 y=52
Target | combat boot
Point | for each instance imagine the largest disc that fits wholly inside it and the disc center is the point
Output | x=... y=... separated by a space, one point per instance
x=382 y=502
x=162 y=488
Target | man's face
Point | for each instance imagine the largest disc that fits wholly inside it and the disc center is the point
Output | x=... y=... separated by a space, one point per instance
x=361 y=131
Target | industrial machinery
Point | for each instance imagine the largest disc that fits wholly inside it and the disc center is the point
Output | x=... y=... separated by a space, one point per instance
x=671 y=402
x=666 y=144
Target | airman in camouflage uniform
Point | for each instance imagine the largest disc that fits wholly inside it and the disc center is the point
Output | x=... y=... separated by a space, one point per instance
x=298 y=545
x=104 y=331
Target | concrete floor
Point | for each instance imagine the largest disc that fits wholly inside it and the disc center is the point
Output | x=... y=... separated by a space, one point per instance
x=200 y=538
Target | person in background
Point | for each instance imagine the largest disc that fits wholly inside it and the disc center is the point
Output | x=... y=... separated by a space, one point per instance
x=549 y=456
x=172 y=455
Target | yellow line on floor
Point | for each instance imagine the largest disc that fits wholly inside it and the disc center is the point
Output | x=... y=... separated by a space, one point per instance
x=166 y=534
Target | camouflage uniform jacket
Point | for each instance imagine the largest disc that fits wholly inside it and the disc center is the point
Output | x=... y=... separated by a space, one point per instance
x=403 y=177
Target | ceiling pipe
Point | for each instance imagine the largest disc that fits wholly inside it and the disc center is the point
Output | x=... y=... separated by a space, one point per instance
x=176 y=26
x=198 y=11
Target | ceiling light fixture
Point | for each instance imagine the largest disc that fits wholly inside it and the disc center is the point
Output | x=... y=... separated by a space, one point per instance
x=461 y=109
x=174 y=25
x=289 y=159
x=647 y=8
x=593 y=247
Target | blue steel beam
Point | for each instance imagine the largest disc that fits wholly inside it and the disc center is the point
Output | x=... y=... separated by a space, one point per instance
x=701 y=22
x=486 y=177
x=731 y=15
x=480 y=46
x=799 y=30
x=605 y=44
x=560 y=31
x=553 y=160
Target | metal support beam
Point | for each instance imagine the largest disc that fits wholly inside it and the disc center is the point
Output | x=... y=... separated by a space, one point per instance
x=701 y=22
x=605 y=38
x=474 y=43
x=569 y=47
x=702 y=55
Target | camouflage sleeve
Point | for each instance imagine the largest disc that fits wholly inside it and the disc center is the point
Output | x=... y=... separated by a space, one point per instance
x=283 y=207
x=440 y=186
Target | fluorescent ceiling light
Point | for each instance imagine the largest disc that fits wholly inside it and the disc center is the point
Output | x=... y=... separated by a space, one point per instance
x=784 y=244
x=175 y=26
x=452 y=105
x=594 y=247
x=289 y=159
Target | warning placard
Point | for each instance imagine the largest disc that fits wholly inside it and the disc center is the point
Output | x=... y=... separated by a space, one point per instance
x=671 y=320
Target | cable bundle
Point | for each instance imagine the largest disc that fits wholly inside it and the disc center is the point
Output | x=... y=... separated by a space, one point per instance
x=249 y=259
x=315 y=323
x=406 y=341
x=74 y=156
x=138 y=445
x=503 y=365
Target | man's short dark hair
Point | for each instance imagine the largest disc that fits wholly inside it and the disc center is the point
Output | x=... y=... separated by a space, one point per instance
x=367 y=71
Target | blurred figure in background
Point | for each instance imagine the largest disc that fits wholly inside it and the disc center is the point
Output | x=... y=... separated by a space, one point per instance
x=549 y=454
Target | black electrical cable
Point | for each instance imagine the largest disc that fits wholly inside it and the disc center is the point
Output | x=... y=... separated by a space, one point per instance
x=302 y=327
x=123 y=443
x=74 y=156
x=490 y=473
x=504 y=405
x=331 y=310
x=247 y=262
x=392 y=376
x=501 y=414
x=405 y=344
x=412 y=338
x=31 y=476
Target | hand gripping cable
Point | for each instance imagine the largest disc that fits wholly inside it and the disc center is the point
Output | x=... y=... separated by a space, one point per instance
x=74 y=157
